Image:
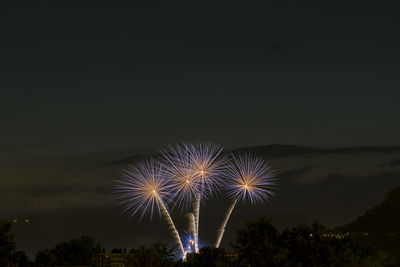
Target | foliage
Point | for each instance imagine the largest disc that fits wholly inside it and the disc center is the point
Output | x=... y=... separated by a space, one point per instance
x=45 y=258
x=207 y=257
x=8 y=256
x=7 y=244
x=260 y=244
x=76 y=251
x=387 y=242
x=19 y=259
x=152 y=256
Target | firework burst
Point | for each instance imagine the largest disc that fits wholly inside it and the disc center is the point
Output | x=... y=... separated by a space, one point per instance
x=207 y=162
x=141 y=186
x=183 y=180
x=144 y=188
x=249 y=178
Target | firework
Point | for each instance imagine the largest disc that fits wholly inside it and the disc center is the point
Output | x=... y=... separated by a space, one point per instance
x=249 y=179
x=195 y=171
x=143 y=188
x=207 y=162
x=184 y=176
x=196 y=215
x=188 y=239
x=183 y=180
x=188 y=243
x=191 y=220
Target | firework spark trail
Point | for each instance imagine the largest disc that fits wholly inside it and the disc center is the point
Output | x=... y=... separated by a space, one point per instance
x=171 y=226
x=196 y=214
x=249 y=179
x=192 y=226
x=188 y=241
x=222 y=229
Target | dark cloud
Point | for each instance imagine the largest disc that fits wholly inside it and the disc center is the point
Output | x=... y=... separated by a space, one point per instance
x=290 y=175
x=273 y=151
x=395 y=163
x=277 y=151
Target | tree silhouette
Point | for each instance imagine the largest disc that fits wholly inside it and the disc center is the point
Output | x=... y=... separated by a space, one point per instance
x=260 y=244
x=76 y=251
x=45 y=258
x=208 y=257
x=7 y=244
x=154 y=255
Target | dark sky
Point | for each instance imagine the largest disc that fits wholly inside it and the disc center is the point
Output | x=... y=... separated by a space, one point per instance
x=85 y=83
x=95 y=75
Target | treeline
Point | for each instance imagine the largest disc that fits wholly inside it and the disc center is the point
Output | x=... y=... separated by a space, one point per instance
x=259 y=243
x=8 y=254
x=75 y=252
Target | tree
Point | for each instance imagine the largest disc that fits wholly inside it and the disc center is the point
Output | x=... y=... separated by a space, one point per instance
x=19 y=259
x=208 y=257
x=45 y=258
x=307 y=246
x=76 y=251
x=257 y=244
x=152 y=256
x=7 y=244
x=260 y=244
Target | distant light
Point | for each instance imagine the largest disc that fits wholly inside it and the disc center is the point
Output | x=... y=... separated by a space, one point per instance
x=15 y=220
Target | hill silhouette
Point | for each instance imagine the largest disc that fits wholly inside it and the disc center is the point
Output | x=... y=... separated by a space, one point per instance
x=379 y=227
x=384 y=218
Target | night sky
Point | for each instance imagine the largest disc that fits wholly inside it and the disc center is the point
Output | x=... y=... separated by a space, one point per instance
x=84 y=84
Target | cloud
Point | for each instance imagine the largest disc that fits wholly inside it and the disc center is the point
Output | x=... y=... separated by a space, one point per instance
x=395 y=163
